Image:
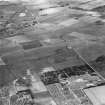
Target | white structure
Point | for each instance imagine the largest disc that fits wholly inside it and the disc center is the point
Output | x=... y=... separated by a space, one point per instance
x=47 y=69
x=2 y=62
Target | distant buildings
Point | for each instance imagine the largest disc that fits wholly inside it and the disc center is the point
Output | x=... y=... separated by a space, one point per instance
x=67 y=86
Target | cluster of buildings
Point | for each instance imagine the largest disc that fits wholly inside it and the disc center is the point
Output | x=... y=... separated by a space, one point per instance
x=69 y=87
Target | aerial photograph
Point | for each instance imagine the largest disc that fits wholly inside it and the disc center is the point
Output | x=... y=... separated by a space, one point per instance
x=52 y=52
